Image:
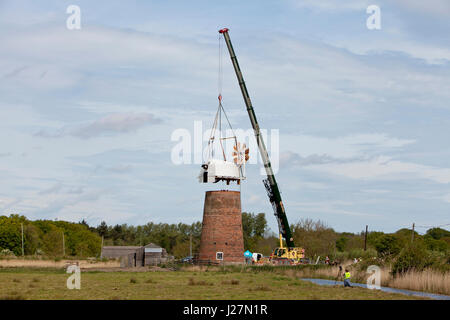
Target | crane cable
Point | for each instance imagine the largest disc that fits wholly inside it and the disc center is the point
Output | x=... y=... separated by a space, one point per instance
x=219 y=88
x=218 y=117
x=218 y=125
x=220 y=73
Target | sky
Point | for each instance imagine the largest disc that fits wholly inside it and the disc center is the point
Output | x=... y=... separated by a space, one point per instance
x=87 y=115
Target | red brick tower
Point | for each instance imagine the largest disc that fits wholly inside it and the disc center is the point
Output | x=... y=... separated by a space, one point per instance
x=222 y=239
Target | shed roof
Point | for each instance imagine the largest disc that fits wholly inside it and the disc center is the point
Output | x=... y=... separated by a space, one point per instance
x=152 y=245
x=121 y=247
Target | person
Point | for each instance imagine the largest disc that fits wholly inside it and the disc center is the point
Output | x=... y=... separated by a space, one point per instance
x=339 y=275
x=327 y=260
x=347 y=277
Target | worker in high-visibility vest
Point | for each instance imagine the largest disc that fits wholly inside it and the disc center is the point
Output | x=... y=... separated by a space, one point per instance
x=347 y=277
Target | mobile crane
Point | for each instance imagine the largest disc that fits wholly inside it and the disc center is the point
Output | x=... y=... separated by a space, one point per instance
x=290 y=253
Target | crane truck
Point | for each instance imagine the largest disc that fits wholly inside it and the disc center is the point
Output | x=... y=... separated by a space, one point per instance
x=289 y=254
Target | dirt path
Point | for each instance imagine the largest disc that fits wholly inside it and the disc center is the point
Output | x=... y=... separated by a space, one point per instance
x=84 y=264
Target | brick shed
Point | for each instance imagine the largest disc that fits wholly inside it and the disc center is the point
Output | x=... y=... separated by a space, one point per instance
x=154 y=254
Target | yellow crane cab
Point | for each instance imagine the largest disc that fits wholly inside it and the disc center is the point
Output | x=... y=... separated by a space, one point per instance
x=284 y=255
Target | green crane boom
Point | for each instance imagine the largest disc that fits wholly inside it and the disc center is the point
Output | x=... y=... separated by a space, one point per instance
x=270 y=183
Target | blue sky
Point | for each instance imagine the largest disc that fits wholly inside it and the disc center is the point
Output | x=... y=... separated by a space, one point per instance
x=363 y=115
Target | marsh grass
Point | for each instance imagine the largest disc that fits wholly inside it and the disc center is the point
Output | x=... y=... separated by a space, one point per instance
x=261 y=287
x=193 y=282
x=427 y=280
x=13 y=295
x=133 y=280
x=233 y=282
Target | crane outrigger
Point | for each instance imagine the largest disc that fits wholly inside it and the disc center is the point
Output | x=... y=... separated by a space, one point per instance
x=291 y=252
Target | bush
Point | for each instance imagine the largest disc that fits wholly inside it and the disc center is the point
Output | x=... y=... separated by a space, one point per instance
x=436 y=245
x=413 y=257
x=6 y=253
x=388 y=244
x=365 y=263
x=355 y=253
x=193 y=282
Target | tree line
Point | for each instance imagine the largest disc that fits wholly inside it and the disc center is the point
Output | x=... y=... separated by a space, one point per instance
x=45 y=237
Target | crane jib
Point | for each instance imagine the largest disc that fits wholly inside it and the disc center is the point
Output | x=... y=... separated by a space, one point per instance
x=270 y=183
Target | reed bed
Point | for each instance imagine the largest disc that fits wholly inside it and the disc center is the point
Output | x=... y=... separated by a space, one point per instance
x=432 y=281
x=427 y=281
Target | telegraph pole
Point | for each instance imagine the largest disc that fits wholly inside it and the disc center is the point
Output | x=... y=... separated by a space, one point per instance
x=23 y=252
x=365 y=239
x=64 y=246
x=412 y=235
x=190 y=244
x=101 y=250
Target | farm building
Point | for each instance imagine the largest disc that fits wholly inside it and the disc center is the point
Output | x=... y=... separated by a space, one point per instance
x=136 y=256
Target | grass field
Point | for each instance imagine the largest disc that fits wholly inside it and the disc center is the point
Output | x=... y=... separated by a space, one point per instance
x=47 y=284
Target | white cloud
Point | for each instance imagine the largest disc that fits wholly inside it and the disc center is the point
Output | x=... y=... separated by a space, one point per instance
x=446 y=198
x=393 y=44
x=332 y=5
x=293 y=159
x=434 y=7
x=344 y=148
x=330 y=207
x=120 y=168
x=253 y=198
x=113 y=123
x=119 y=122
x=384 y=167
x=439 y=8
x=7 y=202
x=375 y=191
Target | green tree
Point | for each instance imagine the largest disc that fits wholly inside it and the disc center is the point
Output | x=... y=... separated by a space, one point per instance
x=52 y=241
x=388 y=244
x=412 y=257
x=438 y=233
x=102 y=229
x=341 y=243
x=33 y=240
x=11 y=234
x=253 y=226
x=315 y=237
x=436 y=245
